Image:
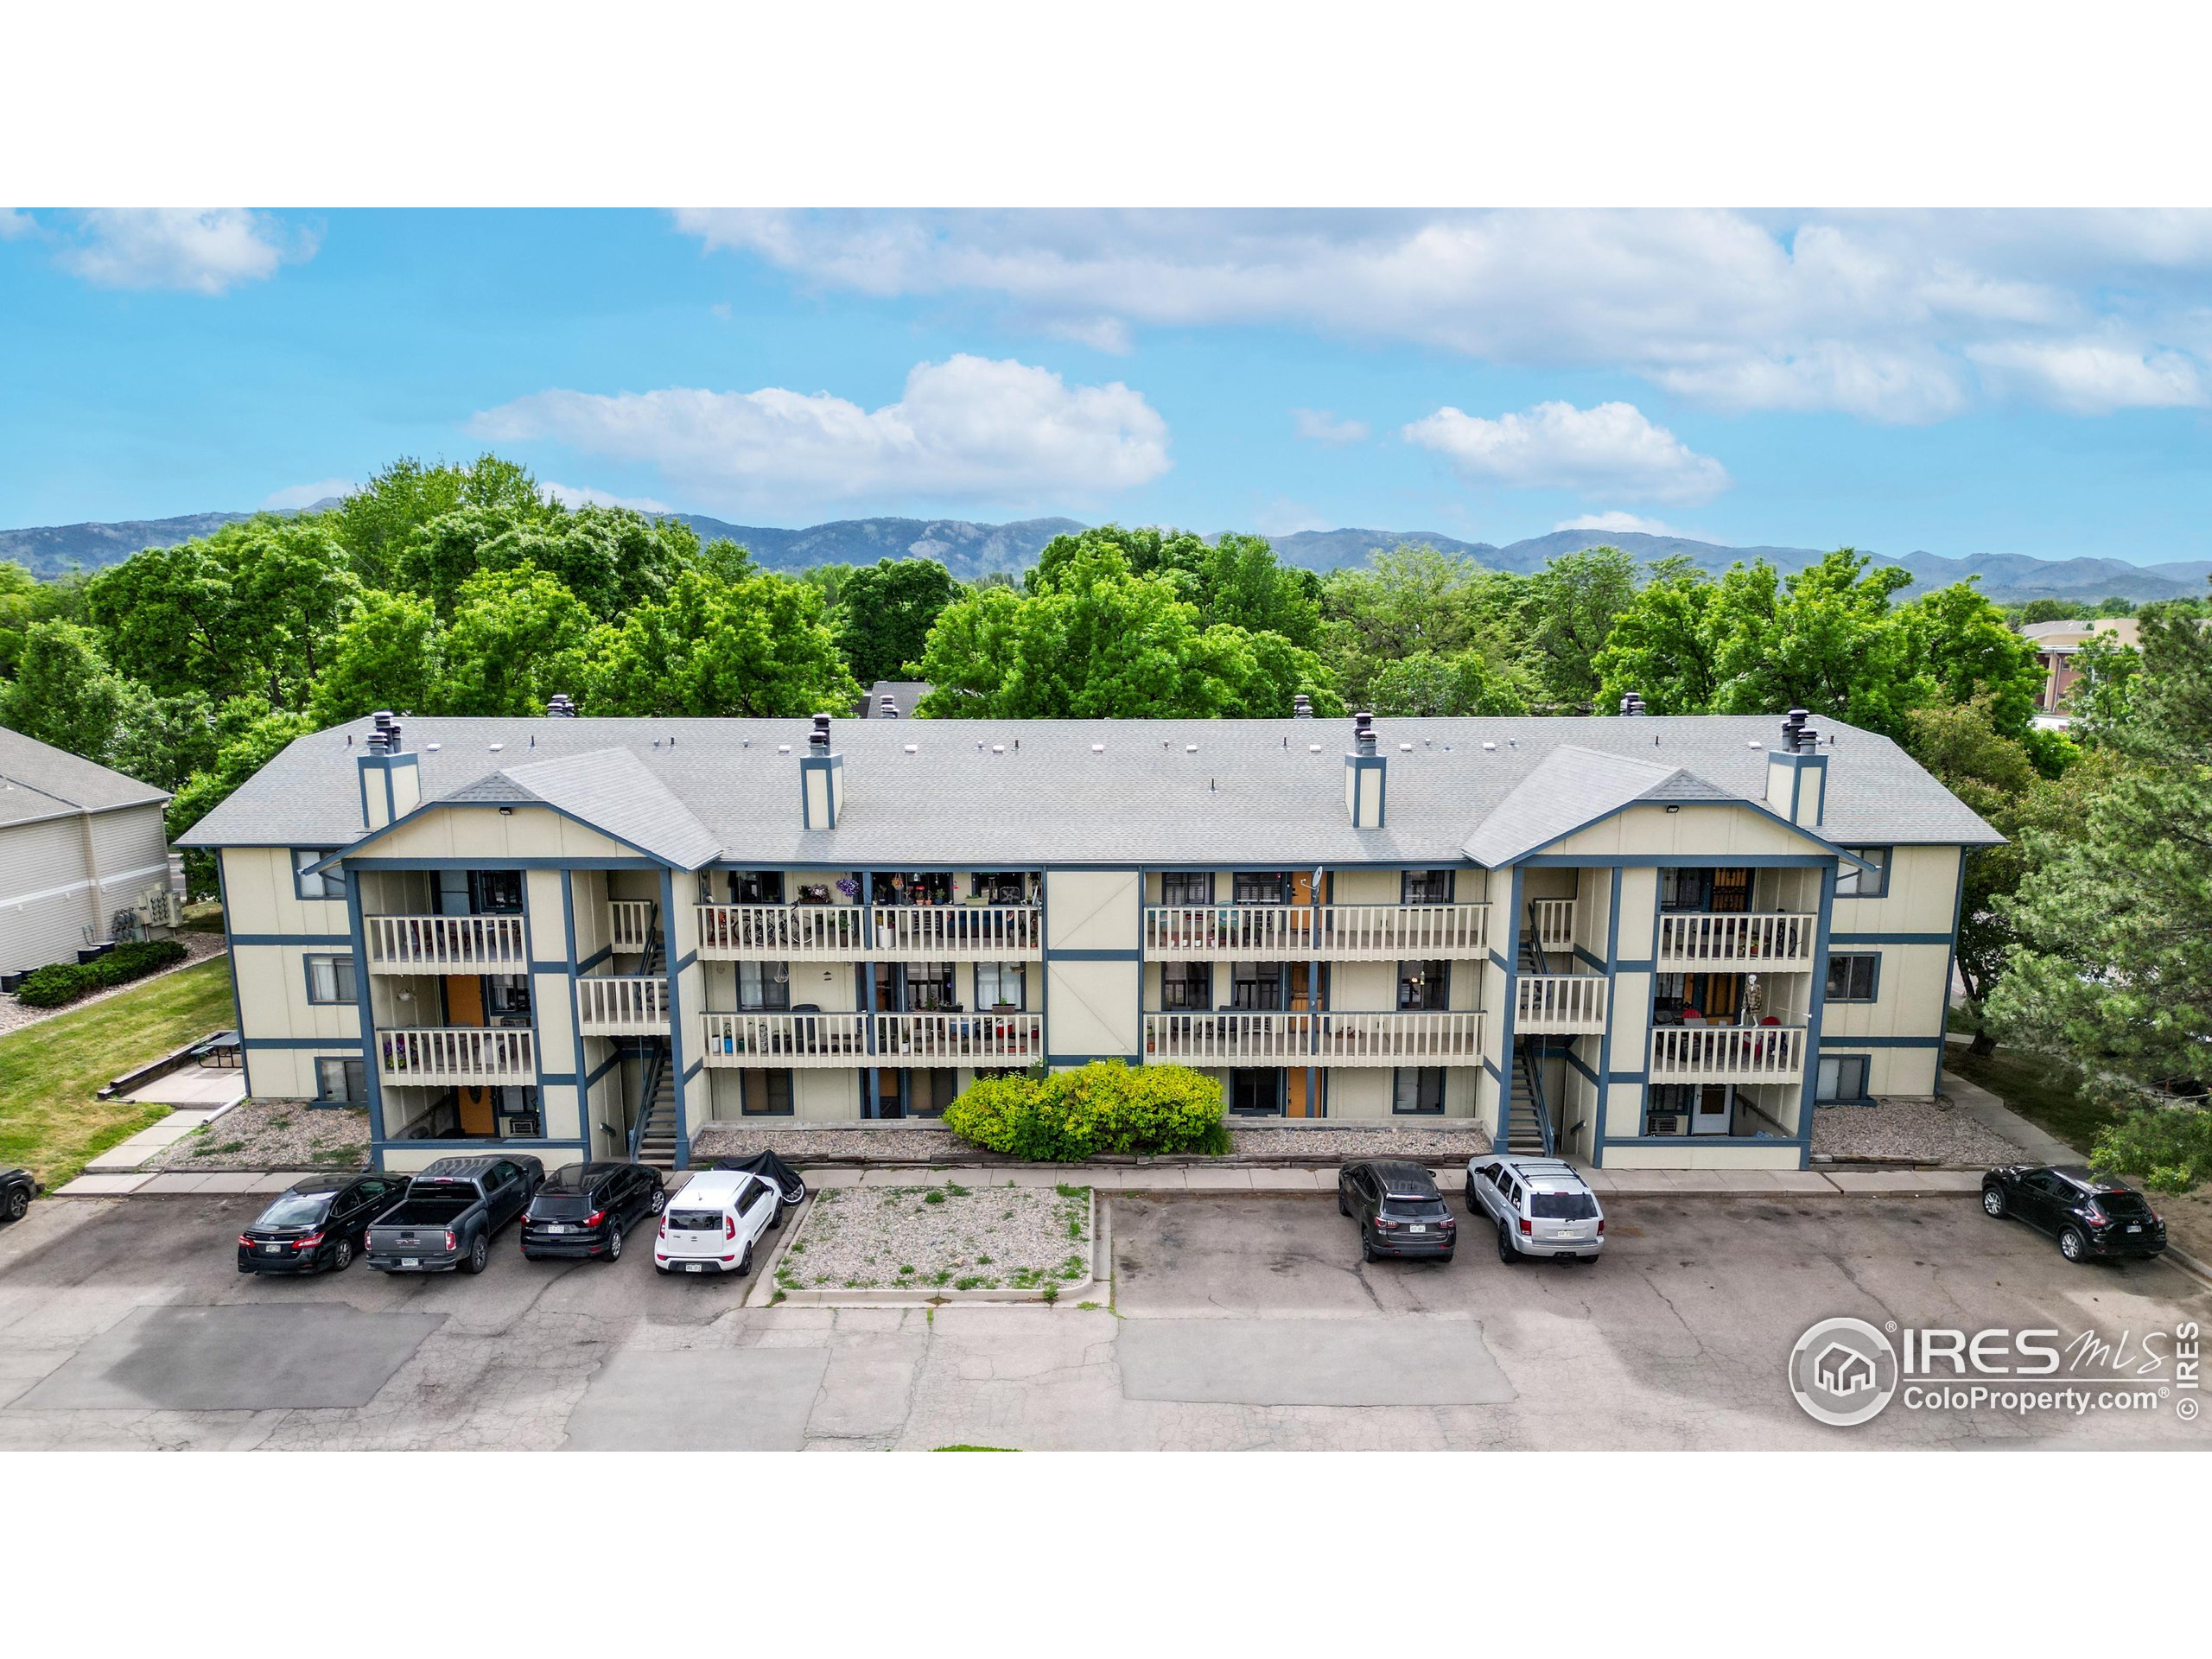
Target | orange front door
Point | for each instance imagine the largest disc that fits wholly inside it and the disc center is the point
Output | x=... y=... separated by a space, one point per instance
x=465 y=1007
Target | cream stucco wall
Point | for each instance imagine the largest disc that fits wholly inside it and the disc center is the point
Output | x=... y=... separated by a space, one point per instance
x=1091 y=909
x=1092 y=1008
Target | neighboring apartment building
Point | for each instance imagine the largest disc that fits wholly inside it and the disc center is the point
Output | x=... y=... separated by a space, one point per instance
x=2056 y=644
x=1649 y=942
x=78 y=843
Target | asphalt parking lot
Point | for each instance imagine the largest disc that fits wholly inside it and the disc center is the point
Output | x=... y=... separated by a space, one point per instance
x=1236 y=1322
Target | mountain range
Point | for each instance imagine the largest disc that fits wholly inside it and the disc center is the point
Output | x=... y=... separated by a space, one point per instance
x=970 y=549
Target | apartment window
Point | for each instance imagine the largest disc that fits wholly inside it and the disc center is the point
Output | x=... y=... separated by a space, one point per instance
x=756 y=886
x=330 y=978
x=1667 y=1107
x=1186 y=985
x=331 y=884
x=1425 y=887
x=928 y=988
x=1002 y=886
x=767 y=1094
x=1851 y=882
x=1843 y=1078
x=998 y=984
x=1419 y=1090
x=1187 y=888
x=506 y=996
x=1424 y=985
x=930 y=1091
x=1263 y=887
x=342 y=1082
x=1255 y=985
x=1853 y=977
x=764 y=987
x=1255 y=1093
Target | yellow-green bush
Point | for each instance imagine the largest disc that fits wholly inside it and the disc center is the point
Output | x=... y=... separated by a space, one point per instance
x=1101 y=1107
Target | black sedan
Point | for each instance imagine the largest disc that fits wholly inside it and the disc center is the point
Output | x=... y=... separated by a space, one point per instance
x=1398 y=1208
x=583 y=1209
x=17 y=1189
x=318 y=1224
x=2089 y=1214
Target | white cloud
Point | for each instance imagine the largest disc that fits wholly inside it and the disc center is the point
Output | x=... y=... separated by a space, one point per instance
x=306 y=495
x=1611 y=448
x=1874 y=315
x=1108 y=334
x=205 y=251
x=15 y=222
x=969 y=429
x=2091 y=376
x=1616 y=522
x=582 y=495
x=1319 y=426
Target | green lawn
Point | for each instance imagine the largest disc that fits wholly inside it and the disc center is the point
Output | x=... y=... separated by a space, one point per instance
x=49 y=1123
x=2039 y=1090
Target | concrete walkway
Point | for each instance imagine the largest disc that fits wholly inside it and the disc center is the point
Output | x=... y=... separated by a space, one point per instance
x=154 y=1138
x=1993 y=1115
x=1671 y=1183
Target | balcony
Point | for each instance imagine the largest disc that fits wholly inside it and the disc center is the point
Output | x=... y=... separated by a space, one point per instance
x=1742 y=944
x=957 y=932
x=625 y=1006
x=780 y=932
x=1319 y=1038
x=1559 y=1004
x=629 y=925
x=1551 y=923
x=446 y=945
x=1306 y=932
x=787 y=1039
x=458 y=1055
x=987 y=1039
x=1727 y=1054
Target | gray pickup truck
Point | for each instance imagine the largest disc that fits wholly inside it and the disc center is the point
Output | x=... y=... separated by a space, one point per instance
x=452 y=1210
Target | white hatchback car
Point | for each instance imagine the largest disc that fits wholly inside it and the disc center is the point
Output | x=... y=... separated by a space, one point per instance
x=712 y=1225
x=1539 y=1206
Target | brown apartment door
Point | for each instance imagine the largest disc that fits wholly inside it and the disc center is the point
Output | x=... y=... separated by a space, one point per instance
x=465 y=1007
x=1732 y=890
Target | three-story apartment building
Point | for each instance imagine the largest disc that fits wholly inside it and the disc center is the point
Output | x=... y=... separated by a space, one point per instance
x=1643 y=941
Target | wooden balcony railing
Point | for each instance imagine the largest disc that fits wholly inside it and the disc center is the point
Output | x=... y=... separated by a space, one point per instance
x=1326 y=1038
x=1727 y=1054
x=612 y=1007
x=957 y=932
x=984 y=1039
x=446 y=945
x=1330 y=932
x=781 y=932
x=1559 y=1004
x=781 y=1039
x=1782 y=943
x=454 y=1056
x=629 y=925
x=1551 y=921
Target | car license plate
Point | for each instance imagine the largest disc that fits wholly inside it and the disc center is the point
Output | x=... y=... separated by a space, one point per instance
x=556 y=1228
x=272 y=1250
x=695 y=1267
x=2135 y=1226
x=410 y=1261
x=1417 y=1227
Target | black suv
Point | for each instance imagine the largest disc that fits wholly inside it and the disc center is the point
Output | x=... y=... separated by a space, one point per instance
x=584 y=1209
x=2089 y=1215
x=1398 y=1208
x=318 y=1224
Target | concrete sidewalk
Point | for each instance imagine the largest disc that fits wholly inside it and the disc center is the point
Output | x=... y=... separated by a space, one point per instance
x=1671 y=1183
x=156 y=1137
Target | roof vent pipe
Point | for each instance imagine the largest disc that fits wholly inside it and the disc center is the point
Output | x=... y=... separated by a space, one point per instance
x=1363 y=775
x=1633 y=704
x=821 y=779
x=561 y=706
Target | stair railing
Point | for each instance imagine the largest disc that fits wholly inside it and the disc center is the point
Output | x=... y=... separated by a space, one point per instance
x=655 y=1065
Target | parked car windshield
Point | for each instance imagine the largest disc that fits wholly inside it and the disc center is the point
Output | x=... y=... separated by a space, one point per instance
x=1563 y=1206
x=695 y=1221
x=1403 y=1209
x=296 y=1210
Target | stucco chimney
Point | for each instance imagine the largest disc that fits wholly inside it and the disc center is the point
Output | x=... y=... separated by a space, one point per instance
x=1364 y=773
x=1797 y=773
x=392 y=783
x=820 y=779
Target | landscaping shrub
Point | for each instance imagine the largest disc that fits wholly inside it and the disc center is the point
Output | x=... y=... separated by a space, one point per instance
x=65 y=982
x=2168 y=1148
x=1101 y=1107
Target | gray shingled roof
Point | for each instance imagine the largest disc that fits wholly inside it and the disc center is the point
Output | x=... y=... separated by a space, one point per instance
x=40 y=781
x=988 y=794
x=1573 y=787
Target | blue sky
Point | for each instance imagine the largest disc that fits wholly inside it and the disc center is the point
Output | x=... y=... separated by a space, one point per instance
x=2022 y=382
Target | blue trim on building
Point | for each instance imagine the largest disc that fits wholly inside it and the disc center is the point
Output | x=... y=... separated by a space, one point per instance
x=1589 y=958
x=1678 y=861
x=676 y=1025
x=1881 y=1042
x=613 y=1061
x=1606 y=1038
x=1892 y=938
x=373 y=1070
x=1095 y=956
x=573 y=861
x=559 y=967
x=308 y=960
x=563 y=1079
x=1087 y=1059
x=1873 y=994
x=1641 y=965
x=291 y=938
x=1816 y=1010
x=1512 y=966
x=231 y=962
x=596 y=957
x=301 y=1042
x=1574 y=1060
x=1951 y=959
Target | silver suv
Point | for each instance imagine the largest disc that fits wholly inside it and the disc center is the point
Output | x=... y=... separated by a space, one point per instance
x=1539 y=1206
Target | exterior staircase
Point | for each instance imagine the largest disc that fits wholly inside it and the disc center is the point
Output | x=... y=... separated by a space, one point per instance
x=652 y=1135
x=1528 y=1119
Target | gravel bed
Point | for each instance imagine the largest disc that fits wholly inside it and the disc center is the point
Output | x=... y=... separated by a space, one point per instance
x=931 y=1144
x=1921 y=1131
x=198 y=947
x=948 y=1236
x=260 y=1135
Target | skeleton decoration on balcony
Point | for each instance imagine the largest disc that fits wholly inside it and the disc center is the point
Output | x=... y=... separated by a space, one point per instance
x=1754 y=999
